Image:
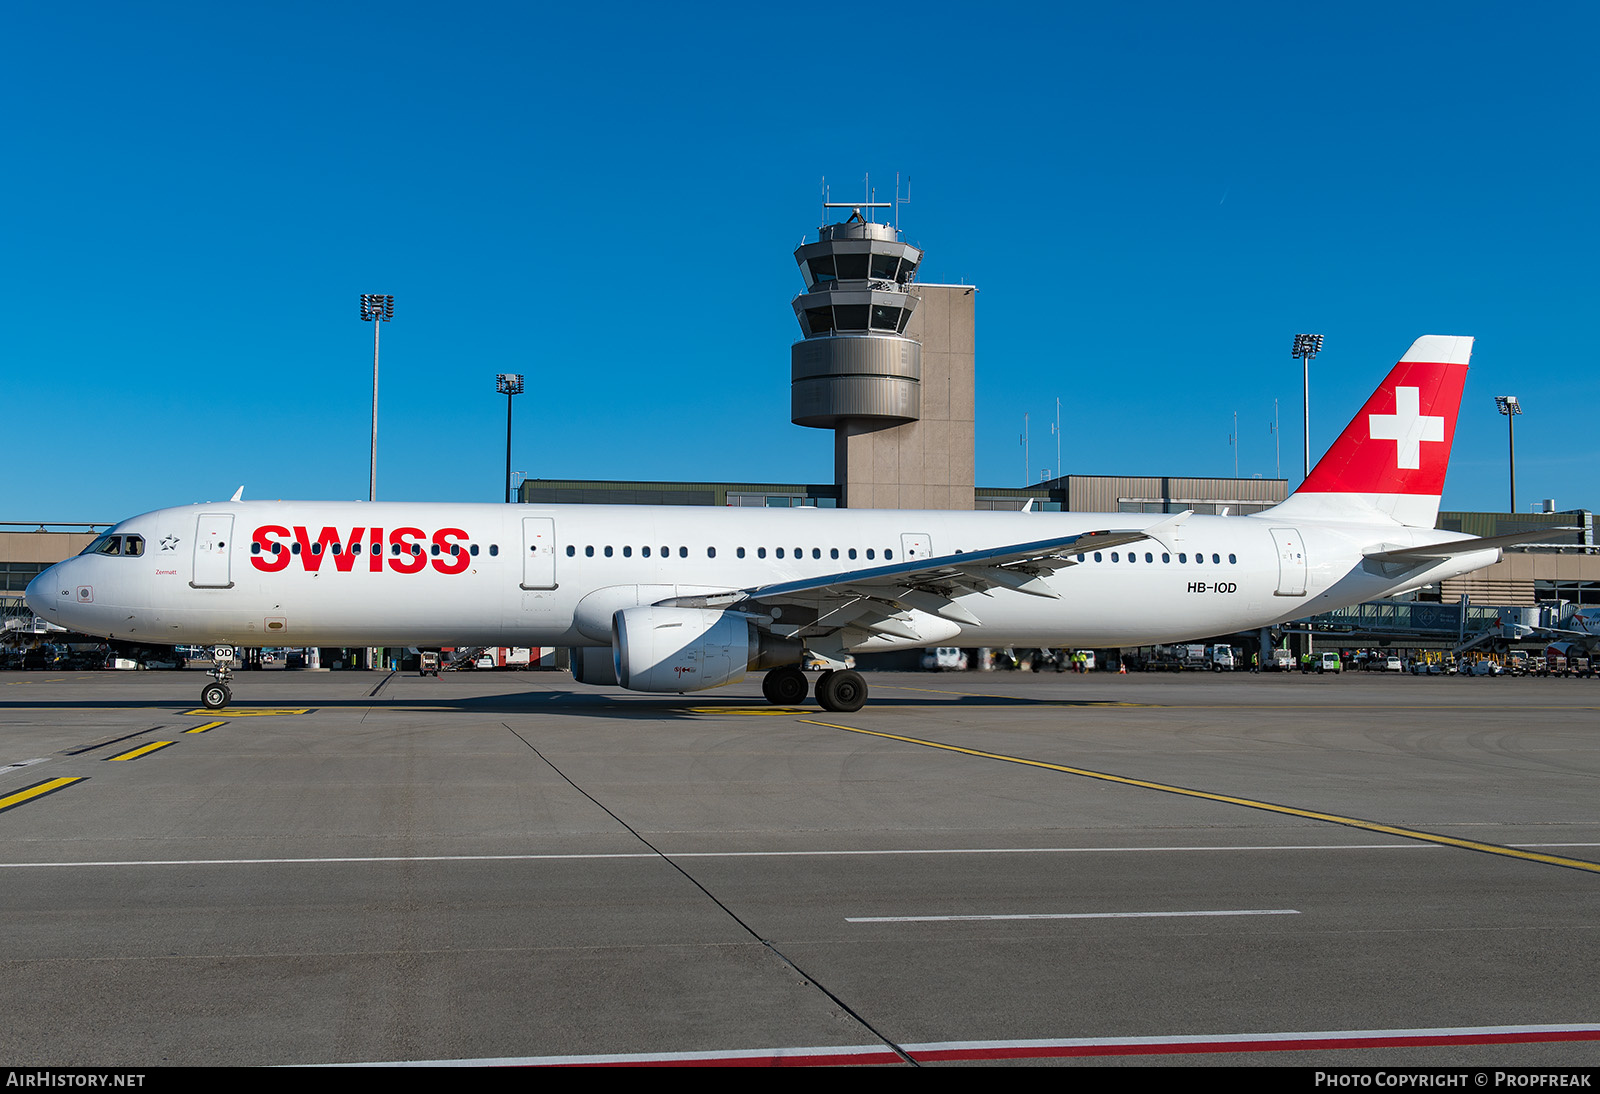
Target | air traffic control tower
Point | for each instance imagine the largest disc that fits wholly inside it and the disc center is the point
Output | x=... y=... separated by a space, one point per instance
x=887 y=364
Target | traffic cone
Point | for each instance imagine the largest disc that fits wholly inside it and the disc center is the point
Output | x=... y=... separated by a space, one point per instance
x=1122 y=668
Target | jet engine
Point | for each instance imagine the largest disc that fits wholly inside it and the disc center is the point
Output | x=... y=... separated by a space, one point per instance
x=691 y=649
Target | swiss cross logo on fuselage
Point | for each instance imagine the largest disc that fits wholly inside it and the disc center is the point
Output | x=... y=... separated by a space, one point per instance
x=274 y=546
x=1407 y=427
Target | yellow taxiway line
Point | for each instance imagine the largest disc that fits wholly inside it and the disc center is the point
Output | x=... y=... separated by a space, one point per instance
x=1249 y=803
x=37 y=790
x=143 y=750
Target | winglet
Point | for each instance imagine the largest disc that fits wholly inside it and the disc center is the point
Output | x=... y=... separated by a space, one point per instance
x=238 y=495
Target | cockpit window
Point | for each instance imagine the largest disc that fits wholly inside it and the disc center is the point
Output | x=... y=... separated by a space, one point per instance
x=131 y=546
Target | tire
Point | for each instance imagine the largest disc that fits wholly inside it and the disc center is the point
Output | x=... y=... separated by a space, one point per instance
x=842 y=692
x=785 y=687
x=215 y=696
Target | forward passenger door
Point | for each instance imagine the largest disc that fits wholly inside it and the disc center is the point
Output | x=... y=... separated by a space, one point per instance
x=213 y=540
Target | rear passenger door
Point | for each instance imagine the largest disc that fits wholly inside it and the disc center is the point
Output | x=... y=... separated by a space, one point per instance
x=538 y=553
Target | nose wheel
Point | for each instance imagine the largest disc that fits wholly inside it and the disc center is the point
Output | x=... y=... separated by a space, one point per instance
x=216 y=695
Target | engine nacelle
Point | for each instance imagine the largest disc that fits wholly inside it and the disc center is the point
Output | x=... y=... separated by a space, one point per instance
x=691 y=649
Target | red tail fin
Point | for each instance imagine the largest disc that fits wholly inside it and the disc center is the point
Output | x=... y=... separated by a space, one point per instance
x=1391 y=459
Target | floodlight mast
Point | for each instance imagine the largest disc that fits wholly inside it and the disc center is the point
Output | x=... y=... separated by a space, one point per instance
x=508 y=384
x=1508 y=405
x=376 y=309
x=1307 y=346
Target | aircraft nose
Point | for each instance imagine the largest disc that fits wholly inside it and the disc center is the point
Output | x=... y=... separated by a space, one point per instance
x=43 y=592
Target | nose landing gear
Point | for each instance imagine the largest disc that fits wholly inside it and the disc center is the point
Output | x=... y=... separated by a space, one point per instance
x=216 y=695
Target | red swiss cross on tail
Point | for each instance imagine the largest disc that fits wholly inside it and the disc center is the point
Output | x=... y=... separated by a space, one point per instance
x=1392 y=456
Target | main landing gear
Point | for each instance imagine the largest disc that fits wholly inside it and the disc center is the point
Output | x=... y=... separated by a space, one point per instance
x=216 y=695
x=840 y=691
x=786 y=686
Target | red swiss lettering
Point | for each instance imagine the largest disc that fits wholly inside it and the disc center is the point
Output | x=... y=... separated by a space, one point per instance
x=266 y=539
x=448 y=562
x=327 y=539
x=410 y=559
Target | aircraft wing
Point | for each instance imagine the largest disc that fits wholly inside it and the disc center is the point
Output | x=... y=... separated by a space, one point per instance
x=1451 y=548
x=879 y=598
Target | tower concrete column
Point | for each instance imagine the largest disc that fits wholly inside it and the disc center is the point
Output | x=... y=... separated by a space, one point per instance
x=887 y=364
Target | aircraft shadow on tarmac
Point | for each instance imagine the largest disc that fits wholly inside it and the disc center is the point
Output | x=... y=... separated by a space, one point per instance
x=588 y=703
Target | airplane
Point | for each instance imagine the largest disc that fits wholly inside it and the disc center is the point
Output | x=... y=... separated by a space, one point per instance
x=672 y=600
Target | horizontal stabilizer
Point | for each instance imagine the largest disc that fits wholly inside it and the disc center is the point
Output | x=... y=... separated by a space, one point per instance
x=1454 y=547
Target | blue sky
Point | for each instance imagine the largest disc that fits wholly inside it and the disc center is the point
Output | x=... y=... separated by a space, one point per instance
x=1152 y=199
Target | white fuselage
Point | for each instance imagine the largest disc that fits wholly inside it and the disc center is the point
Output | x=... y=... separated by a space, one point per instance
x=518 y=575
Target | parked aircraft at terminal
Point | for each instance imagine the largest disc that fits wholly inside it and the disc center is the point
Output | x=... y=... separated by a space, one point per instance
x=679 y=599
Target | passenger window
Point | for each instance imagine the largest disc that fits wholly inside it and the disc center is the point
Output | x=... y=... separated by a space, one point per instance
x=435 y=550
x=416 y=548
x=869 y=553
x=1216 y=560
x=888 y=554
x=711 y=552
x=834 y=553
x=1233 y=560
x=1148 y=557
x=588 y=552
x=294 y=548
x=608 y=550
x=474 y=550
x=494 y=549
x=780 y=552
x=255 y=548
x=761 y=552
x=740 y=552
x=1114 y=557
x=627 y=552
x=1165 y=557
x=816 y=552
x=571 y=550
x=683 y=552
x=645 y=551
x=1184 y=557
x=1097 y=556
x=852 y=552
